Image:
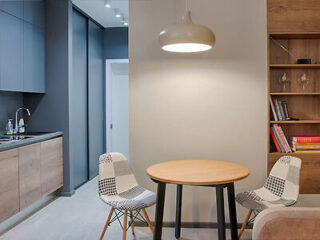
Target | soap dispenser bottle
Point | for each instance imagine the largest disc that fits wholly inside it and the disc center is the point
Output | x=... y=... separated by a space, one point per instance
x=9 y=127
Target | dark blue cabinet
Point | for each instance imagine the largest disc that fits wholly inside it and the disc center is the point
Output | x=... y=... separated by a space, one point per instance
x=34 y=59
x=33 y=12
x=22 y=46
x=12 y=7
x=11 y=52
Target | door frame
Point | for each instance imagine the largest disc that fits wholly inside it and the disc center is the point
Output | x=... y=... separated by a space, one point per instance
x=108 y=99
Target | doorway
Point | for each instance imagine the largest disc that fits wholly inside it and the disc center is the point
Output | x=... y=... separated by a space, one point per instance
x=117 y=106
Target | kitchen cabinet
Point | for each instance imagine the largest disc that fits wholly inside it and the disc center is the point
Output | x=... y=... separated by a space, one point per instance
x=22 y=46
x=9 y=184
x=34 y=58
x=51 y=166
x=14 y=8
x=33 y=12
x=29 y=174
x=95 y=97
x=11 y=49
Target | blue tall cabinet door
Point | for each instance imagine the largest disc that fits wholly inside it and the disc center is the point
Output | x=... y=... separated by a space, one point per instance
x=34 y=12
x=11 y=49
x=78 y=108
x=13 y=7
x=95 y=97
x=34 y=59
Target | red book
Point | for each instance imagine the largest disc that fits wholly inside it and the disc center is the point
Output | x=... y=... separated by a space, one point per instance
x=275 y=141
x=306 y=139
x=283 y=138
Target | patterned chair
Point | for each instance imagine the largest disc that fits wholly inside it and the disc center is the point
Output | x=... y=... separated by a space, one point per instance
x=119 y=189
x=280 y=190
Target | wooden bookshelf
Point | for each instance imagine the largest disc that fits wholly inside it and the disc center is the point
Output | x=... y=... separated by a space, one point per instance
x=302 y=39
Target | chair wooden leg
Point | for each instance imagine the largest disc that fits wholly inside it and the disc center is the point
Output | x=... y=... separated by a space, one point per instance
x=124 y=236
x=107 y=223
x=148 y=220
x=131 y=219
x=245 y=224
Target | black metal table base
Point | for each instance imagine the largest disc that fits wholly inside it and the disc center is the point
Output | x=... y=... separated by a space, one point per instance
x=220 y=211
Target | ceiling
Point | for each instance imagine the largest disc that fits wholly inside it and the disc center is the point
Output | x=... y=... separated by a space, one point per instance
x=105 y=16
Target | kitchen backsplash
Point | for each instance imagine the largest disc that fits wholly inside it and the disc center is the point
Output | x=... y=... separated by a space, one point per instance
x=9 y=102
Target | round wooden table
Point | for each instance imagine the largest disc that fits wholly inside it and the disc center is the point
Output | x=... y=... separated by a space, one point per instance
x=210 y=173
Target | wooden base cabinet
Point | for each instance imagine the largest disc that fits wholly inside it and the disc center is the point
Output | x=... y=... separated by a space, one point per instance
x=9 y=184
x=51 y=166
x=29 y=173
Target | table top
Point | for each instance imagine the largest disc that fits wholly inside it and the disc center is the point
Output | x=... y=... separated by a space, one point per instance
x=197 y=172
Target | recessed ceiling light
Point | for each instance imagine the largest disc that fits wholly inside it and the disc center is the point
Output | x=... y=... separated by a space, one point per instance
x=107 y=3
x=117 y=13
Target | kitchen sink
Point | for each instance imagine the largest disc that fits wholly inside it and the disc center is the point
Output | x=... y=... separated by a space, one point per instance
x=5 y=139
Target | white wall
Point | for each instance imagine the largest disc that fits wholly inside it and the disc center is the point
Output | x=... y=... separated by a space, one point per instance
x=210 y=105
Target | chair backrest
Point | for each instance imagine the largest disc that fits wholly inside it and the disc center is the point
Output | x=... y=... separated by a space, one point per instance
x=284 y=178
x=115 y=175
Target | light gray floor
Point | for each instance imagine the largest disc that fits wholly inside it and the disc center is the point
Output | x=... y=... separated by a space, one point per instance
x=82 y=217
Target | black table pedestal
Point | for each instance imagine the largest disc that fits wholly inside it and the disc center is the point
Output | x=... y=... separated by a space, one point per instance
x=220 y=211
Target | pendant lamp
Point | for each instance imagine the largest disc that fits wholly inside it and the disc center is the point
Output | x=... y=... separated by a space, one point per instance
x=187 y=37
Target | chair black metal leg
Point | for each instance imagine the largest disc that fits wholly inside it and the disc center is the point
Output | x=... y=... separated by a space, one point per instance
x=178 y=211
x=232 y=212
x=161 y=192
x=220 y=213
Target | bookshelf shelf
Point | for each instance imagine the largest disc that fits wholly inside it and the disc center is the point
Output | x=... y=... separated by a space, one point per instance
x=297 y=66
x=294 y=93
x=297 y=154
x=297 y=122
x=295 y=35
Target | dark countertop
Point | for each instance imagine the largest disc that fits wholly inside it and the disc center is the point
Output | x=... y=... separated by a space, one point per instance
x=39 y=137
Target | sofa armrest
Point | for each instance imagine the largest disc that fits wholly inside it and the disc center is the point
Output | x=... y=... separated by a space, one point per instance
x=287 y=223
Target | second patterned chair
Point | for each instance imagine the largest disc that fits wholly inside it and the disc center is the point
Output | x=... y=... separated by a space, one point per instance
x=119 y=189
x=281 y=189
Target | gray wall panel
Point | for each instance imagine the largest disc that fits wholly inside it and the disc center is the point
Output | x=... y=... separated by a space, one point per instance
x=9 y=103
x=116 y=43
x=96 y=97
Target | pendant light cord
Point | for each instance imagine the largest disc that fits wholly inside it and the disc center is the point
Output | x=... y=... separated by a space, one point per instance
x=187 y=6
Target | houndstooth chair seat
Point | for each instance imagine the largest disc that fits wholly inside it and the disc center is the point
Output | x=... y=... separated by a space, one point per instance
x=119 y=189
x=280 y=190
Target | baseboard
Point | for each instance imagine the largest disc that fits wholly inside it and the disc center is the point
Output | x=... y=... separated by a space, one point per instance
x=191 y=224
x=66 y=194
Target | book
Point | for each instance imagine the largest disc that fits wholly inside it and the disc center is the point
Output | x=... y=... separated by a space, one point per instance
x=306 y=146
x=311 y=139
x=282 y=110
x=278 y=137
x=285 y=110
x=273 y=109
x=282 y=138
x=275 y=140
x=278 y=109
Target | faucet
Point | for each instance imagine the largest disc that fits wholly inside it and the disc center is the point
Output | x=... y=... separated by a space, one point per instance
x=22 y=108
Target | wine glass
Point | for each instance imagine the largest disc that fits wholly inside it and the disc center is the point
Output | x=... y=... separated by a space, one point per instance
x=284 y=82
x=303 y=81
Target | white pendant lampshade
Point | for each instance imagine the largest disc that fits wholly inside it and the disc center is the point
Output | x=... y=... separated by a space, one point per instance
x=187 y=37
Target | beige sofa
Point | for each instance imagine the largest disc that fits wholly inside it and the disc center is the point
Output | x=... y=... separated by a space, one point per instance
x=287 y=224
